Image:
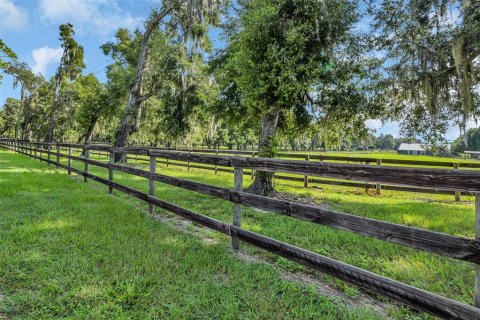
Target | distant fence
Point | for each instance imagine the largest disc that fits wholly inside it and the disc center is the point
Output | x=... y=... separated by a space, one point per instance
x=439 y=243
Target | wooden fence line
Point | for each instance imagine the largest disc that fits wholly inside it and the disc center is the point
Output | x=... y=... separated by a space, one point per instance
x=318 y=181
x=437 y=305
x=321 y=157
x=436 y=179
x=378 y=186
x=460 y=180
x=455 y=247
x=459 y=248
x=430 y=241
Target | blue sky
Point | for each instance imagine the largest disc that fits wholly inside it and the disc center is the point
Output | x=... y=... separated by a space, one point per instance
x=30 y=28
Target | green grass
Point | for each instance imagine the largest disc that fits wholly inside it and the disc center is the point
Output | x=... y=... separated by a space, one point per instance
x=70 y=250
x=448 y=277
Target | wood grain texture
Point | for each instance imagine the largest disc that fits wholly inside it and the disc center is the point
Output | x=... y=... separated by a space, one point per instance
x=432 y=178
x=237 y=207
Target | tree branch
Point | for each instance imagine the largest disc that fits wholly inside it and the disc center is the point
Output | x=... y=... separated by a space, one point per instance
x=144 y=97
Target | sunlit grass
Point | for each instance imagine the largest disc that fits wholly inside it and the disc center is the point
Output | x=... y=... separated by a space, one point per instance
x=441 y=213
x=70 y=250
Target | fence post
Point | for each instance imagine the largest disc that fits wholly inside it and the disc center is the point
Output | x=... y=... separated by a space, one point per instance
x=237 y=208
x=216 y=167
x=87 y=156
x=457 y=193
x=49 y=148
x=188 y=163
x=151 y=182
x=477 y=237
x=35 y=150
x=305 y=178
x=378 y=185
x=111 y=161
x=252 y=172
x=58 y=154
x=69 y=160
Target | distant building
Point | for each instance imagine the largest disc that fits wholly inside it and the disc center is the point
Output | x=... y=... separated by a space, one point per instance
x=411 y=148
x=473 y=154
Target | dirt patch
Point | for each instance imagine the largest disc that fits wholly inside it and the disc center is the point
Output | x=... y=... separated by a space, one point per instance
x=293 y=198
x=186 y=226
x=337 y=295
x=2 y=316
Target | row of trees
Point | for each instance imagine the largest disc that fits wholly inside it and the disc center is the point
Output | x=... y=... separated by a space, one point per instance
x=297 y=73
x=473 y=141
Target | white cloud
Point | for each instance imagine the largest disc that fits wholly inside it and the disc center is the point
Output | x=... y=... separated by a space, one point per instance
x=453 y=131
x=373 y=124
x=43 y=57
x=379 y=127
x=11 y=16
x=88 y=16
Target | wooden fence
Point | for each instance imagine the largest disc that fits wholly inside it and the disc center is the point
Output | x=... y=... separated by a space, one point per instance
x=323 y=157
x=348 y=159
x=442 y=244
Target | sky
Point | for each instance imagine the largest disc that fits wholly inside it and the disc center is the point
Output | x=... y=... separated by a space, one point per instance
x=30 y=29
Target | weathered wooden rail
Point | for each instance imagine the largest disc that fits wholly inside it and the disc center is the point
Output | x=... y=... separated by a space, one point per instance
x=309 y=180
x=323 y=157
x=345 y=159
x=434 y=242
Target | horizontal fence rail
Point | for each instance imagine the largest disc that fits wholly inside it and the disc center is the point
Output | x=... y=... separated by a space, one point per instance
x=434 y=242
x=365 y=185
x=322 y=157
x=461 y=180
x=348 y=181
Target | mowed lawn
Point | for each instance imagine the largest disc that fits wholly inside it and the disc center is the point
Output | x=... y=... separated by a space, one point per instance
x=70 y=250
x=198 y=285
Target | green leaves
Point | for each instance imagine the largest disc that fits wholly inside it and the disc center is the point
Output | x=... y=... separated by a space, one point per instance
x=6 y=55
x=430 y=47
x=72 y=63
x=301 y=58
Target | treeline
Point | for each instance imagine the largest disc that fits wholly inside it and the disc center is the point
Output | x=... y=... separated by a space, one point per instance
x=301 y=74
x=473 y=139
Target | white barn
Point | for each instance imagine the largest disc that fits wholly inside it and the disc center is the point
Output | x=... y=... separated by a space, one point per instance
x=411 y=148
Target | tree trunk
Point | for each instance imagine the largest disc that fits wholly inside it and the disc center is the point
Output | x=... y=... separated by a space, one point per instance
x=89 y=133
x=263 y=183
x=131 y=118
x=463 y=127
x=56 y=98
x=22 y=102
x=27 y=128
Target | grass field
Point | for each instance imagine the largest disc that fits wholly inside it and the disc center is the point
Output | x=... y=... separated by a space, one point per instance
x=47 y=237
